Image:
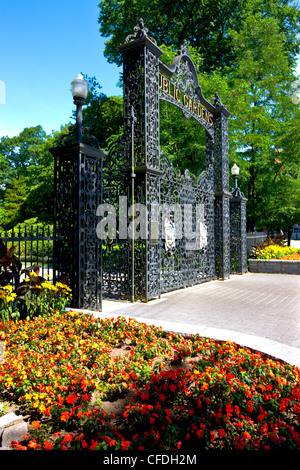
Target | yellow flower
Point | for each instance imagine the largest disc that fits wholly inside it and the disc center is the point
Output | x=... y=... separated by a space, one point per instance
x=11 y=297
x=10 y=288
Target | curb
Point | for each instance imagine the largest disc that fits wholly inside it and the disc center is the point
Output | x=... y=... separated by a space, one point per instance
x=12 y=428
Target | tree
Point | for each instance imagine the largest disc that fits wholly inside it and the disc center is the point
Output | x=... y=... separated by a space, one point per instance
x=27 y=190
x=102 y=115
x=15 y=196
x=22 y=151
x=282 y=206
x=205 y=24
x=260 y=81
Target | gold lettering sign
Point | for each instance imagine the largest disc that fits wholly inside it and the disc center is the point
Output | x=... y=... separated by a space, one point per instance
x=175 y=93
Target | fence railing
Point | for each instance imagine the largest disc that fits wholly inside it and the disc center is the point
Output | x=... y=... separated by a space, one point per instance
x=34 y=245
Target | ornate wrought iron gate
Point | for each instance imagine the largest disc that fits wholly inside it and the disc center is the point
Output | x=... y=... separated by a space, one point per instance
x=155 y=229
x=186 y=236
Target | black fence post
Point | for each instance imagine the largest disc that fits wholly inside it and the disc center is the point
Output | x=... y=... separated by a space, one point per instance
x=78 y=193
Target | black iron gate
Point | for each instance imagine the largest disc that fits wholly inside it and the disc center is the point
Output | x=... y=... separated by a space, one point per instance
x=137 y=227
x=162 y=230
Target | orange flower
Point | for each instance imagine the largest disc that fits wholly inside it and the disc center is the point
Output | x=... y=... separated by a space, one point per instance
x=64 y=416
x=33 y=444
x=36 y=424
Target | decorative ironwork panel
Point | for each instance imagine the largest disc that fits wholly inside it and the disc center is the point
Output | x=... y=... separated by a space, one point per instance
x=116 y=246
x=153 y=278
x=222 y=236
x=238 y=239
x=187 y=223
x=221 y=153
x=182 y=89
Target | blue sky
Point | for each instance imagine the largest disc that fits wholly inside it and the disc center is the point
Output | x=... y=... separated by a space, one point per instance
x=44 y=45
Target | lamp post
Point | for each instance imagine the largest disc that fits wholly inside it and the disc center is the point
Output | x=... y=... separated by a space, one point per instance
x=79 y=93
x=235 y=171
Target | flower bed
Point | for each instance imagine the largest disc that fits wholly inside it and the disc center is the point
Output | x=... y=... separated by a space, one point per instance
x=98 y=384
x=277 y=260
x=278 y=252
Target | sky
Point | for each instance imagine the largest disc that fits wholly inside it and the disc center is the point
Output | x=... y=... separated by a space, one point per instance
x=44 y=45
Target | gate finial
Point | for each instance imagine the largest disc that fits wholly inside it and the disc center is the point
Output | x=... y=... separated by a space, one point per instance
x=140 y=32
x=183 y=50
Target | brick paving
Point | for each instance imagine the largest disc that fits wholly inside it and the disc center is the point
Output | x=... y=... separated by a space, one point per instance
x=261 y=311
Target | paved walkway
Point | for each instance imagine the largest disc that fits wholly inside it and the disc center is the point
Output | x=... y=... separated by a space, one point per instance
x=260 y=311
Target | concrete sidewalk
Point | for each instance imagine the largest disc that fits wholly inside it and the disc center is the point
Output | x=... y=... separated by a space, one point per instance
x=260 y=311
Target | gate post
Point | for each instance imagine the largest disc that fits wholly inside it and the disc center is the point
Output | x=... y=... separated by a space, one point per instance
x=221 y=190
x=77 y=194
x=141 y=129
x=238 y=233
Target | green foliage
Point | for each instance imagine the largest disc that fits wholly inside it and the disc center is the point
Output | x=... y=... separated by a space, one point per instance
x=102 y=115
x=28 y=172
x=181 y=139
x=246 y=51
x=204 y=24
x=15 y=196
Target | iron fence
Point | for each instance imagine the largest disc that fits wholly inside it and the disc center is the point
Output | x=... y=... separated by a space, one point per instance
x=34 y=245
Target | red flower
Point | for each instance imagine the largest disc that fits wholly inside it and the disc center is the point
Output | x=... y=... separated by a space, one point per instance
x=93 y=445
x=161 y=397
x=222 y=433
x=48 y=445
x=71 y=399
x=67 y=438
x=125 y=445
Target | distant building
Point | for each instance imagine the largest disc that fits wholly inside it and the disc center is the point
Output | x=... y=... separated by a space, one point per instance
x=296 y=232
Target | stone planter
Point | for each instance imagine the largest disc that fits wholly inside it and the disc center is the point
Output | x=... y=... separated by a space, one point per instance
x=275 y=266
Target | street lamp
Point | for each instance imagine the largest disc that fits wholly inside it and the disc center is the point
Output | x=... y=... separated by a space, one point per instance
x=79 y=92
x=235 y=171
